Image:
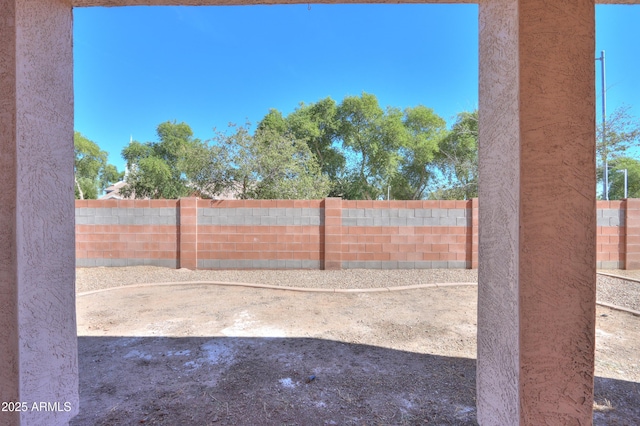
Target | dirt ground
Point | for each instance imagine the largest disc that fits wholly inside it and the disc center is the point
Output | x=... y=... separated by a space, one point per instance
x=218 y=355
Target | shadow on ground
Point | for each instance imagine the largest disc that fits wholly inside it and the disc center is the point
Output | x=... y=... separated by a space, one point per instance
x=266 y=381
x=263 y=381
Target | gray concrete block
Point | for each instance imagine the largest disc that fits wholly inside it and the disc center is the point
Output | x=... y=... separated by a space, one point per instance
x=424 y=264
x=423 y=213
x=82 y=220
x=261 y=264
x=610 y=212
x=456 y=264
x=448 y=221
x=267 y=220
x=394 y=213
x=316 y=221
x=406 y=265
x=456 y=212
x=430 y=221
x=610 y=264
x=381 y=221
x=279 y=264
x=208 y=264
x=306 y=220
x=599 y=213
x=373 y=264
x=614 y=221
x=406 y=213
x=602 y=221
x=375 y=212
x=349 y=221
x=463 y=221
x=310 y=264
x=293 y=264
x=364 y=221
x=283 y=220
x=138 y=212
x=415 y=221
x=440 y=264
x=389 y=264
x=398 y=221
x=443 y=212
x=85 y=263
x=118 y=262
x=385 y=213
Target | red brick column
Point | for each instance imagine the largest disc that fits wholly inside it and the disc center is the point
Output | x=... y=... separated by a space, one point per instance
x=188 y=233
x=632 y=237
x=474 y=233
x=332 y=233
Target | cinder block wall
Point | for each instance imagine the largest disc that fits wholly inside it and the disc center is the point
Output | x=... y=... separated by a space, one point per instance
x=406 y=234
x=127 y=232
x=310 y=234
x=611 y=235
x=260 y=234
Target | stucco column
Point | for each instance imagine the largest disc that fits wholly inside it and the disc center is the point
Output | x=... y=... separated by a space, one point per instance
x=536 y=296
x=38 y=344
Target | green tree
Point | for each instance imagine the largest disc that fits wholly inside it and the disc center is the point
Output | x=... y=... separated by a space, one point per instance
x=316 y=125
x=622 y=132
x=157 y=169
x=372 y=138
x=616 y=178
x=270 y=165
x=457 y=160
x=207 y=167
x=425 y=131
x=92 y=173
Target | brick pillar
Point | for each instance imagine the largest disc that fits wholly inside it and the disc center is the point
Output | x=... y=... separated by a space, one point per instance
x=536 y=293
x=188 y=233
x=632 y=234
x=38 y=343
x=474 y=233
x=332 y=233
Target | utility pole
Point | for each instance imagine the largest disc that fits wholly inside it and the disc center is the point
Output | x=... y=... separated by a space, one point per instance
x=605 y=183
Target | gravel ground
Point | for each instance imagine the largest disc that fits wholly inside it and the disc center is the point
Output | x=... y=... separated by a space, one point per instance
x=610 y=290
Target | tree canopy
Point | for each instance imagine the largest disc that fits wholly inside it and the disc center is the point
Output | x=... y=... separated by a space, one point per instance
x=354 y=149
x=158 y=169
x=92 y=173
x=621 y=131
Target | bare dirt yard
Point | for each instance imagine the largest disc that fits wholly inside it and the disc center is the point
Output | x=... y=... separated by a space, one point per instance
x=208 y=354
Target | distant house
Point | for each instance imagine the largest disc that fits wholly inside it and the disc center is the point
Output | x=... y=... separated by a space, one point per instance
x=113 y=192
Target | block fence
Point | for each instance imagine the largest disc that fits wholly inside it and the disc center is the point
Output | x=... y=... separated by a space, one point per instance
x=310 y=234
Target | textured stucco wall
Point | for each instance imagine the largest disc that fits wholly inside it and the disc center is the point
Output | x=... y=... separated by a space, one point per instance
x=498 y=199
x=557 y=211
x=9 y=378
x=37 y=147
x=537 y=213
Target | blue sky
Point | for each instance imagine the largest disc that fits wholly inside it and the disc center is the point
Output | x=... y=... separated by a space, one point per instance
x=136 y=67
